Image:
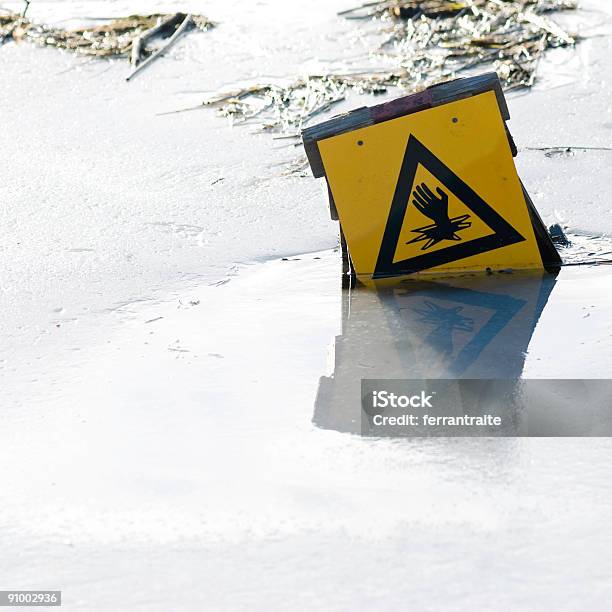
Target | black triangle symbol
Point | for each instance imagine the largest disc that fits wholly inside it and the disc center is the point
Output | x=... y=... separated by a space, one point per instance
x=416 y=153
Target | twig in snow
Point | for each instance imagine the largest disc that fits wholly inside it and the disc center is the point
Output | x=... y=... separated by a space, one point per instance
x=179 y=31
x=138 y=44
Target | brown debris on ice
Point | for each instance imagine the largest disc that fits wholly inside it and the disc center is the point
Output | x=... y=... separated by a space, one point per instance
x=116 y=38
x=428 y=41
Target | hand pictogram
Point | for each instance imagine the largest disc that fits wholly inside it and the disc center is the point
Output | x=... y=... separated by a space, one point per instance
x=436 y=208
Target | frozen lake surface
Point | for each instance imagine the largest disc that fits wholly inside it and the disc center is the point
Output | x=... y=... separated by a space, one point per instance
x=160 y=362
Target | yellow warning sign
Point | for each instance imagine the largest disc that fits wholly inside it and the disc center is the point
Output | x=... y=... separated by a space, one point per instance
x=435 y=191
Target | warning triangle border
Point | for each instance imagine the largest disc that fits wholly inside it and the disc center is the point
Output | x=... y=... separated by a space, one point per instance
x=416 y=153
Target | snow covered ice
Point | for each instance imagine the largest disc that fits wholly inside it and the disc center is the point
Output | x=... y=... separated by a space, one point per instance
x=159 y=365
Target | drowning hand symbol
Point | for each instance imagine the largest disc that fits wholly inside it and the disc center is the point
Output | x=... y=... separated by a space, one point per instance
x=436 y=208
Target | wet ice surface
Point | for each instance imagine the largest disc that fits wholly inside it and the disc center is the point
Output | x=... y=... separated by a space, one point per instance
x=160 y=443
x=586 y=248
x=187 y=451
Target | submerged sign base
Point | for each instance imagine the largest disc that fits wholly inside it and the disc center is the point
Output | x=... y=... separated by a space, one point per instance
x=427 y=185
